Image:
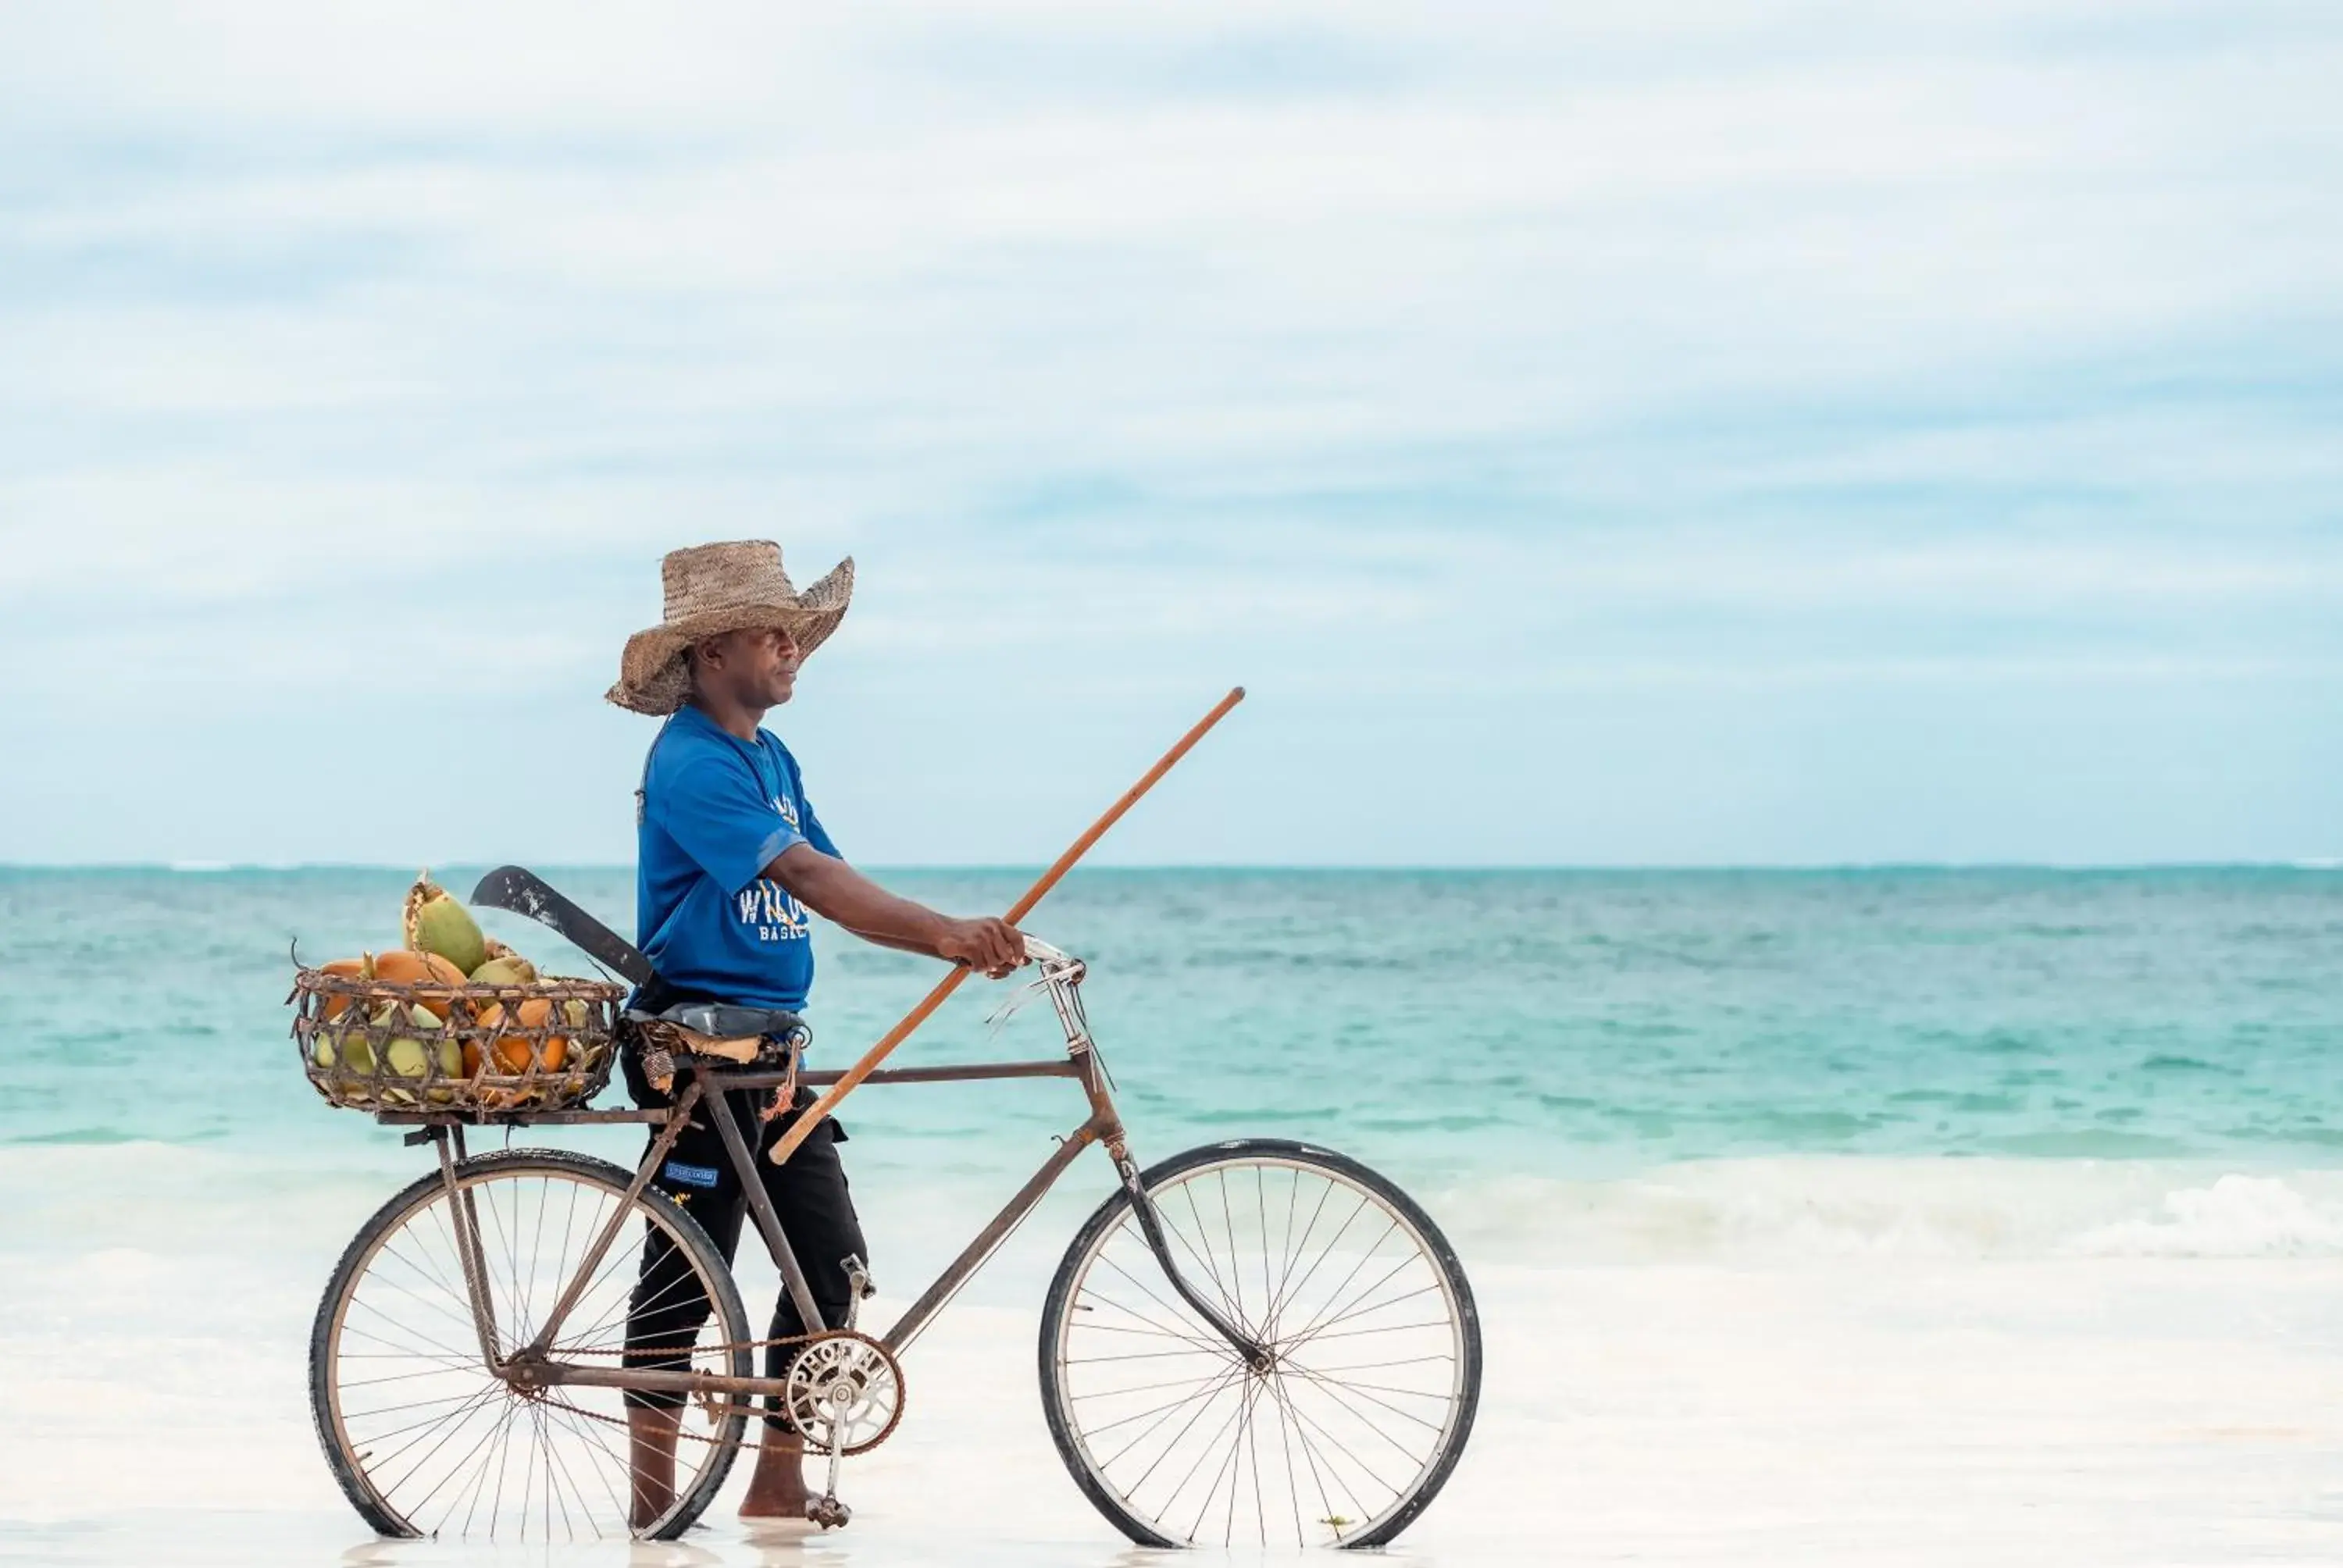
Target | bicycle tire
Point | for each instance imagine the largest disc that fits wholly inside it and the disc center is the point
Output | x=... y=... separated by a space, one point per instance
x=710 y=1266
x=1107 y=1224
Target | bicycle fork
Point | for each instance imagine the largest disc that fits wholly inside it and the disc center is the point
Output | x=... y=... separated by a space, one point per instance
x=1255 y=1354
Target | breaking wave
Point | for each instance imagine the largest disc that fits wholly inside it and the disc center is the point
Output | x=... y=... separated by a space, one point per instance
x=1805 y=1208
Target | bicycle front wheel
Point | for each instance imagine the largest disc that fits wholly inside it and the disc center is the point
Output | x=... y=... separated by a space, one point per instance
x=425 y=1440
x=1374 y=1345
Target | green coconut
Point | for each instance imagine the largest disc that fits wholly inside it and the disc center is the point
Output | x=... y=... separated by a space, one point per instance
x=412 y=1056
x=509 y=970
x=436 y=923
x=353 y=1053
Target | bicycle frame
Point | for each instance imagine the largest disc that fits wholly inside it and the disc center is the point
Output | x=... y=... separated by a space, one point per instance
x=534 y=1366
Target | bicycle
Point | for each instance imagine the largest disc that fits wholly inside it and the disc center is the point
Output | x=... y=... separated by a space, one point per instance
x=1254 y=1340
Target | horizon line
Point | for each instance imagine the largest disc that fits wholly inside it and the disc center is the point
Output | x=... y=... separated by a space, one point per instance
x=2301 y=863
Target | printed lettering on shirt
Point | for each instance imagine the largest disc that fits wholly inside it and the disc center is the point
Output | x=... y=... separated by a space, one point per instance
x=773 y=910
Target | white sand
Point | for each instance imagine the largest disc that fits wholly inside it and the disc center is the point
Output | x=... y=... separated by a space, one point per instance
x=2102 y=1410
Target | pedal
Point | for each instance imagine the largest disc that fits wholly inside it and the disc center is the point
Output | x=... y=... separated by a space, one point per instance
x=858 y=1287
x=829 y=1512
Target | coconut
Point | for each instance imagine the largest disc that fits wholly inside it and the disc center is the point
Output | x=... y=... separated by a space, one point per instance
x=349 y=1049
x=512 y=1052
x=402 y=967
x=436 y=923
x=414 y=1056
x=359 y=967
x=510 y=970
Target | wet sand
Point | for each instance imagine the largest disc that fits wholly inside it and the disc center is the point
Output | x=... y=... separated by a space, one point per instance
x=2106 y=1410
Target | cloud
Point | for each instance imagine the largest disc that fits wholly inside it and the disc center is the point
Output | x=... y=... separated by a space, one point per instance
x=1522 y=349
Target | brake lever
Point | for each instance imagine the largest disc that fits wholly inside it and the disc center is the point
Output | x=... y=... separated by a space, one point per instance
x=1054 y=967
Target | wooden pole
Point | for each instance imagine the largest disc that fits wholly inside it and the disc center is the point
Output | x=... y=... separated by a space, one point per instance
x=805 y=1124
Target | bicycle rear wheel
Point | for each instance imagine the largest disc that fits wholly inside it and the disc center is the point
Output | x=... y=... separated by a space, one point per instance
x=1374 y=1340
x=425 y=1440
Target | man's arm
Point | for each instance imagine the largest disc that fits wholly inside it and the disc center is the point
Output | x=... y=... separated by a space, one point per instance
x=838 y=892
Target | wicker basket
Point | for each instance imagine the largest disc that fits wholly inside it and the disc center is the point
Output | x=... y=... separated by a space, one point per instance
x=379 y=1045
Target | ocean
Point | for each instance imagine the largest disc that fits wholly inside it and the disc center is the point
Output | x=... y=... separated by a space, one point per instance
x=1685 y=1129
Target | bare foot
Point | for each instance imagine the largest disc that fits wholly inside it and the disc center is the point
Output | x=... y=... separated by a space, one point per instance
x=778 y=1489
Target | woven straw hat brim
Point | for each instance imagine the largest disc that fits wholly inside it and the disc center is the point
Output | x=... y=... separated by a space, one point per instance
x=653 y=677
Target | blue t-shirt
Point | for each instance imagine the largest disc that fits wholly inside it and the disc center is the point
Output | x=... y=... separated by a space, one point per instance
x=714 y=813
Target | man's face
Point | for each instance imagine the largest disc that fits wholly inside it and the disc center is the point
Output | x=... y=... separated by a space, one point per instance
x=757 y=667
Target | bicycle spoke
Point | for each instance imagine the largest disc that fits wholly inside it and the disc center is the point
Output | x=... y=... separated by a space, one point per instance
x=400 y=1348
x=1218 y=1387
x=452 y=1287
x=1194 y=1336
x=1207 y=1392
x=1301 y=1339
x=1402 y=1362
x=422 y=1423
x=1335 y=1294
x=1442 y=1395
x=1141 y=1388
x=1134 y=1356
x=1203 y=1452
x=616 y=1258
x=349 y=1383
x=1285 y=1442
x=1294 y=1253
x=1236 y=1264
x=1394 y=1329
x=1211 y=1266
x=1337 y=1307
x=1310 y=1457
x=1227 y=1466
x=535 y=1254
x=463 y=1322
x=591 y=1432
x=1294 y=1292
x=1252 y=1443
x=1143 y=1415
x=486 y=1401
x=1339 y=1446
x=1337 y=1391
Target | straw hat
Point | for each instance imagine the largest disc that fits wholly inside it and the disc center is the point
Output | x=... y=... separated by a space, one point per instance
x=715 y=588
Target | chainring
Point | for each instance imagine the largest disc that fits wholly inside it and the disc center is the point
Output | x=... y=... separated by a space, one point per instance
x=845 y=1381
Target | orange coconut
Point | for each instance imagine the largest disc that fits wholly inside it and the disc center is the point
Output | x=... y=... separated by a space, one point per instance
x=360 y=968
x=512 y=1052
x=402 y=966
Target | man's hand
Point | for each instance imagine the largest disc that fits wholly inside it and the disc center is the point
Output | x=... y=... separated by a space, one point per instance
x=989 y=944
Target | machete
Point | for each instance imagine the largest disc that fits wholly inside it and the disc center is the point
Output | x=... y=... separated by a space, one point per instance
x=524 y=892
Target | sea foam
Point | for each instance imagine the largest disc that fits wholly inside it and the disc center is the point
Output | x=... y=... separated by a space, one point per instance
x=1801 y=1208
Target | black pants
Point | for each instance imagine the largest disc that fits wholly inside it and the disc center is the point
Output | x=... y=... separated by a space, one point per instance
x=817 y=1214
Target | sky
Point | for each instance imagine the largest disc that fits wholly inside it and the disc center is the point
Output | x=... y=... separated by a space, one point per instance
x=1673 y=434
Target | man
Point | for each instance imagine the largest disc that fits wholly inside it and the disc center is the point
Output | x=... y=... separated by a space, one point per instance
x=730 y=857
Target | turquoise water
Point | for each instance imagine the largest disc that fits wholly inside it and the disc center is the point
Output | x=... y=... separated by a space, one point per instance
x=1443 y=1024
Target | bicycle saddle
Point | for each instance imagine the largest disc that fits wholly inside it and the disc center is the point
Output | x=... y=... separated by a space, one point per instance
x=721 y=1029
x=724 y=1020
